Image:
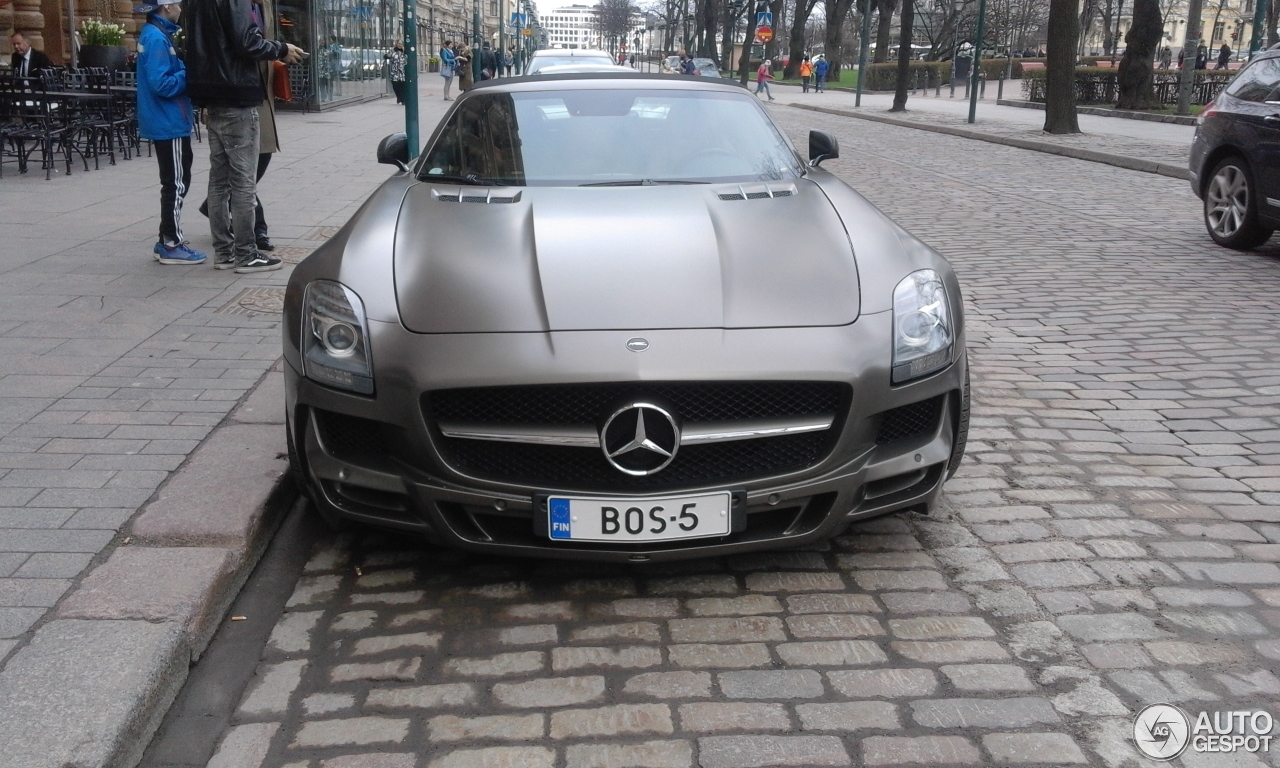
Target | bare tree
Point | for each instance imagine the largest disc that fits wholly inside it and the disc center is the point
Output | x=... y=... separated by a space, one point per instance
x=1060 y=69
x=800 y=19
x=1135 y=79
x=885 y=25
x=613 y=19
x=905 y=26
x=836 y=11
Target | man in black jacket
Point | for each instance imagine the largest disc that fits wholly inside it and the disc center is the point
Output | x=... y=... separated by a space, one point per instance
x=224 y=46
x=27 y=61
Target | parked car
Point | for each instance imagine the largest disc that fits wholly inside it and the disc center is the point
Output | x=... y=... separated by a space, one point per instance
x=1234 y=166
x=618 y=316
x=559 y=57
x=705 y=67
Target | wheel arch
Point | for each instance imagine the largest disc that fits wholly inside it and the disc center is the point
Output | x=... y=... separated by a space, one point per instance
x=1211 y=160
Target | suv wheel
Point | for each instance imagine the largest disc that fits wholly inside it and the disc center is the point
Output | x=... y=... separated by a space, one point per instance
x=1231 y=206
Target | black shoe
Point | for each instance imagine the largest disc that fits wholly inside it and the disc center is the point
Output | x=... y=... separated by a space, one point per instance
x=265 y=244
x=258 y=263
x=204 y=209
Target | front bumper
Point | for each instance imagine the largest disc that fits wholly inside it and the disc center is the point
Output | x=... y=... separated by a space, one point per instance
x=397 y=477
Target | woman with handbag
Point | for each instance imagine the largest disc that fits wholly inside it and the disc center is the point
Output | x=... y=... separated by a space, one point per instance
x=447 y=66
x=395 y=69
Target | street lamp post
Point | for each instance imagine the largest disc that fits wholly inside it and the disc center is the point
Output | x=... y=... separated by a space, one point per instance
x=1259 y=21
x=864 y=47
x=956 y=7
x=475 y=44
x=411 y=76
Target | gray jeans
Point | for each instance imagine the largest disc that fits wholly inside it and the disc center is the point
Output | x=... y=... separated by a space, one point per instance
x=233 y=163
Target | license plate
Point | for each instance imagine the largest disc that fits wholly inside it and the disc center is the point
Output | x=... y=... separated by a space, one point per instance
x=575 y=518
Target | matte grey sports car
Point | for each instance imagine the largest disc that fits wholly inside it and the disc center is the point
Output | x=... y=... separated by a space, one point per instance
x=617 y=316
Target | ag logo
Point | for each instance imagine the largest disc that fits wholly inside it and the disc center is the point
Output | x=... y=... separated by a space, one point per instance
x=1161 y=731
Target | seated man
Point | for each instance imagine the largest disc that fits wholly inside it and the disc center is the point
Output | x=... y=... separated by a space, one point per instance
x=27 y=61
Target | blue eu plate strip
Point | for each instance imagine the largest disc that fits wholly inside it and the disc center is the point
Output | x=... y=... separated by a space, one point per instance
x=560 y=519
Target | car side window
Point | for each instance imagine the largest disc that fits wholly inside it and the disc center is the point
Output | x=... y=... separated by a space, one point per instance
x=1258 y=82
x=480 y=140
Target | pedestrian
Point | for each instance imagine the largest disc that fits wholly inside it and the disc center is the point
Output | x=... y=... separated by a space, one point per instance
x=1202 y=57
x=1182 y=54
x=631 y=61
x=488 y=62
x=806 y=72
x=165 y=119
x=396 y=59
x=26 y=61
x=1224 y=56
x=763 y=76
x=687 y=67
x=224 y=47
x=622 y=58
x=447 y=66
x=508 y=59
x=462 y=64
x=820 y=69
x=1166 y=57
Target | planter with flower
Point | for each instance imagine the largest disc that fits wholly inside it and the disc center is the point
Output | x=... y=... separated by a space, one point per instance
x=103 y=45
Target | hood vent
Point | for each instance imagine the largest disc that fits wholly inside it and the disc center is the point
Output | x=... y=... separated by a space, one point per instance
x=757 y=192
x=488 y=197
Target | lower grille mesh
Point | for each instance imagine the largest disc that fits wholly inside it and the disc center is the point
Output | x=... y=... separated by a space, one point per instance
x=909 y=421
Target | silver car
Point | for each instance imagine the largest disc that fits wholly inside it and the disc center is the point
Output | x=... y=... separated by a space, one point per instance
x=619 y=317
x=561 y=57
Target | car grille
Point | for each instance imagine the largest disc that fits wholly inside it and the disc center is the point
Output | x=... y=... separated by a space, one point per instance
x=909 y=420
x=586 y=468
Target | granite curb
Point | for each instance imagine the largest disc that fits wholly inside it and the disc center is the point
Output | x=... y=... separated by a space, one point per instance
x=95 y=681
x=1124 y=114
x=1078 y=153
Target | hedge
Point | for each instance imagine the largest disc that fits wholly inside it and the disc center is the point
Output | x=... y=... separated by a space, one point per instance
x=884 y=77
x=995 y=67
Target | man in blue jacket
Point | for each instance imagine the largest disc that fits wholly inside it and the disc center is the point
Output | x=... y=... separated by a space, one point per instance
x=820 y=69
x=165 y=118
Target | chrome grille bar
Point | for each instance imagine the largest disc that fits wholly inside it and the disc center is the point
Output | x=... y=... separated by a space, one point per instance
x=583 y=436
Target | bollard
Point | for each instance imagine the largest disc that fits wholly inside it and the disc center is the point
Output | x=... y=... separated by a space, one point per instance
x=1000 y=89
x=968 y=83
x=937 y=88
x=982 y=86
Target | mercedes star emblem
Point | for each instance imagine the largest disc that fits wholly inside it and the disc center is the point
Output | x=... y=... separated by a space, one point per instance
x=640 y=439
x=637 y=344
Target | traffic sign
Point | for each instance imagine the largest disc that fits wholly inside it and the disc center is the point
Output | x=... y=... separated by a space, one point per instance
x=764 y=34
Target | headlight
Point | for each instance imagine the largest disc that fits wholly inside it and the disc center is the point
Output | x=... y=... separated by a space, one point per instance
x=921 y=326
x=335 y=338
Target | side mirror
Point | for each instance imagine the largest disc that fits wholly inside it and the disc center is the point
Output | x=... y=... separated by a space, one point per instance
x=822 y=146
x=394 y=150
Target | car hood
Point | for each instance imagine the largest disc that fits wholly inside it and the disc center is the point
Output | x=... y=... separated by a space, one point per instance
x=536 y=259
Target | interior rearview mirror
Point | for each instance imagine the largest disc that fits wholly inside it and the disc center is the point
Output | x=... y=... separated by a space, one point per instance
x=822 y=146
x=394 y=150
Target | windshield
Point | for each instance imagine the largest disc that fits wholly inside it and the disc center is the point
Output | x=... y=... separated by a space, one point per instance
x=541 y=62
x=610 y=137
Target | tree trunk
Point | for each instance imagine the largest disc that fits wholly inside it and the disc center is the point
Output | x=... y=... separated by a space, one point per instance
x=886 y=8
x=1060 y=67
x=905 y=25
x=836 y=11
x=803 y=10
x=1108 y=42
x=744 y=61
x=1135 y=78
x=1273 y=36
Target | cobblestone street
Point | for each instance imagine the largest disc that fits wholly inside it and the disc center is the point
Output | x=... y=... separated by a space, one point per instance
x=1111 y=541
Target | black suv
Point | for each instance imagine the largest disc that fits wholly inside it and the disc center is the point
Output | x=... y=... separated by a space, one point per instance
x=1235 y=157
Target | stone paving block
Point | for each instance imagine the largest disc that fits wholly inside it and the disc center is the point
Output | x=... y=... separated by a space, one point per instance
x=31 y=593
x=617 y=720
x=385 y=760
x=627 y=657
x=987 y=677
x=773 y=684
x=327 y=703
x=735 y=630
x=924 y=602
x=707 y=717
x=1024 y=748
x=244 y=746
x=949 y=651
x=876 y=581
x=189 y=586
x=919 y=750
x=940 y=627
x=415 y=642
x=352 y=731
x=1110 y=627
x=265 y=404
x=550 y=692
x=768 y=751
x=634 y=632
x=838 y=625
x=423 y=697
x=848 y=716
x=670 y=685
x=396 y=669
x=15 y=621
x=501 y=665
x=983 y=713
x=292 y=634
x=497 y=757
x=884 y=683
x=271 y=689
x=795 y=582
x=529 y=634
x=831 y=653
x=47 y=565
x=832 y=603
x=648 y=754
x=1115 y=655
x=489 y=728
x=709 y=656
x=217 y=498
x=746 y=605
x=89 y=693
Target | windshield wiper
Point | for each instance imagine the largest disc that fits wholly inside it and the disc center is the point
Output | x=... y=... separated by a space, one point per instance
x=470 y=178
x=640 y=183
